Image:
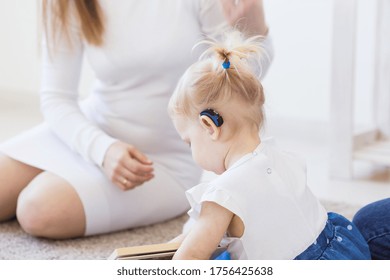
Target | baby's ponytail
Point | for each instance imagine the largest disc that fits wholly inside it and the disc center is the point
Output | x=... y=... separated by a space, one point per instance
x=225 y=72
x=236 y=60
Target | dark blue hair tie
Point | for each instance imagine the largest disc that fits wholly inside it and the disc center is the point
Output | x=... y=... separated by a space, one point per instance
x=226 y=64
x=213 y=115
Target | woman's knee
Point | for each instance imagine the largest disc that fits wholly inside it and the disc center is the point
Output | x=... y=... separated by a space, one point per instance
x=32 y=214
x=49 y=207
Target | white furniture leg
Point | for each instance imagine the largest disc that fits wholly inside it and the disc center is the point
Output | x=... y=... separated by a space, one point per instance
x=382 y=68
x=342 y=88
x=372 y=145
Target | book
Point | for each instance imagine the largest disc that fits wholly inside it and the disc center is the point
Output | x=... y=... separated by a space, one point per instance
x=161 y=251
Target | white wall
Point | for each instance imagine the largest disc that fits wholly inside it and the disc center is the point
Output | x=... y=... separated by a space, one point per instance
x=298 y=82
x=19 y=65
x=297 y=86
x=20 y=35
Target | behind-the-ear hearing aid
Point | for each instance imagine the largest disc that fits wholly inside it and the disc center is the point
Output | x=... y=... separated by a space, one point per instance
x=213 y=115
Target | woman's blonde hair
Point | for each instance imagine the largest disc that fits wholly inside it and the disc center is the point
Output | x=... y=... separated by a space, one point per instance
x=210 y=84
x=87 y=12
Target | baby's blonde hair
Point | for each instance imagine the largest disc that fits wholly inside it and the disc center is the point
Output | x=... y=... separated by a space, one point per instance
x=235 y=93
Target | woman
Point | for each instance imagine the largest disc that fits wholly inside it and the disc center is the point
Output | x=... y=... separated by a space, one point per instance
x=76 y=174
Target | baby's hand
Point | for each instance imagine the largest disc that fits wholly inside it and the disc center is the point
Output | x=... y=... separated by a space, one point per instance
x=126 y=166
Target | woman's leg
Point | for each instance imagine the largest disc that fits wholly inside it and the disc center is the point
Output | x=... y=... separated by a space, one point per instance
x=50 y=207
x=46 y=205
x=14 y=176
x=373 y=221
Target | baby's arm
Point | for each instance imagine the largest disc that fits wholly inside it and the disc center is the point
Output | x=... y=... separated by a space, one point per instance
x=178 y=239
x=206 y=233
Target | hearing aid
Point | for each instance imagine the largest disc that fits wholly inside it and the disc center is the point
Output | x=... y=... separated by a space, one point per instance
x=213 y=115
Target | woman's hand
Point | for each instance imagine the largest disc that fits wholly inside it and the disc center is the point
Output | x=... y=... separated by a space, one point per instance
x=126 y=166
x=246 y=15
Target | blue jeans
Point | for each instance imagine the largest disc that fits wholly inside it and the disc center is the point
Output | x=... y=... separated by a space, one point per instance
x=373 y=221
x=340 y=240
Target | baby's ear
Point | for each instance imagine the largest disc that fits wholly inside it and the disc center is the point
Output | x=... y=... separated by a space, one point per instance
x=208 y=124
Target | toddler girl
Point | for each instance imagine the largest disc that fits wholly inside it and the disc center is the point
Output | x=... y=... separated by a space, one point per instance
x=260 y=206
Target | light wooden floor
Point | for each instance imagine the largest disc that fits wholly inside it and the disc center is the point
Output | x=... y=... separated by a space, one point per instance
x=309 y=139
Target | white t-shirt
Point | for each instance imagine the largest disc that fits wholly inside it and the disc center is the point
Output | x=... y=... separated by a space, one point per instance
x=267 y=190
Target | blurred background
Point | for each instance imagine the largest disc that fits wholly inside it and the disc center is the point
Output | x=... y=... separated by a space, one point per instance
x=302 y=87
